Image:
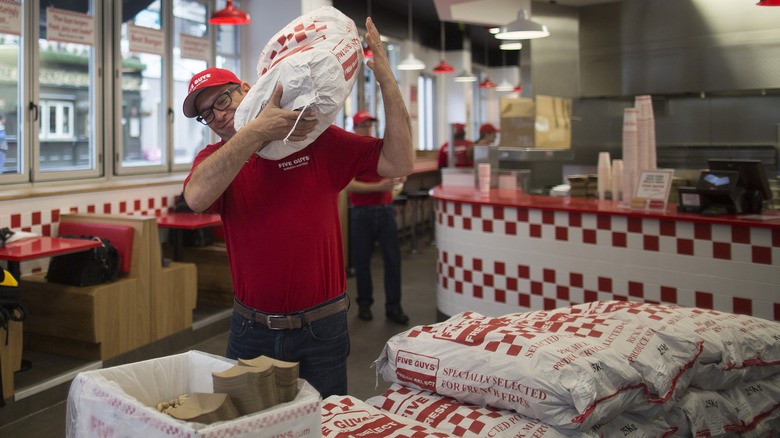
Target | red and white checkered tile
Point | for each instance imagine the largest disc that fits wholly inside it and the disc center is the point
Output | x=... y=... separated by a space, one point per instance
x=496 y=260
x=41 y=215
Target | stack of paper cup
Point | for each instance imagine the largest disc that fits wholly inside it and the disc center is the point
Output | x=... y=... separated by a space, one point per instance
x=483 y=173
x=617 y=180
x=645 y=132
x=604 y=176
x=630 y=153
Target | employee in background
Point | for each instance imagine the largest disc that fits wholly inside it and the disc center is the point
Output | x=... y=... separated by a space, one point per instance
x=281 y=218
x=487 y=135
x=372 y=220
x=463 y=152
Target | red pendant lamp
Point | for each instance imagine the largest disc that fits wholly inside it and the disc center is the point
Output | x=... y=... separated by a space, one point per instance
x=230 y=15
x=443 y=67
x=769 y=3
x=487 y=83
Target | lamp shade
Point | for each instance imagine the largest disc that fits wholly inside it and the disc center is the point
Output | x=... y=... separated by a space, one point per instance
x=443 y=68
x=230 y=15
x=504 y=85
x=522 y=29
x=487 y=83
x=411 y=63
x=769 y=3
x=465 y=76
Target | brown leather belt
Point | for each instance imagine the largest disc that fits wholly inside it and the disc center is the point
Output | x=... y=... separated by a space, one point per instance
x=288 y=321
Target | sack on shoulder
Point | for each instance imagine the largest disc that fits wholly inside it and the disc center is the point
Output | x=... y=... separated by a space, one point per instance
x=85 y=268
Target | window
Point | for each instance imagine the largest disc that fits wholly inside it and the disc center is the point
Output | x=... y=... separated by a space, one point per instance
x=140 y=118
x=81 y=80
x=66 y=91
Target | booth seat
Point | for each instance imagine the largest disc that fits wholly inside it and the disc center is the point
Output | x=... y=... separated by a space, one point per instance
x=215 y=285
x=91 y=322
x=147 y=303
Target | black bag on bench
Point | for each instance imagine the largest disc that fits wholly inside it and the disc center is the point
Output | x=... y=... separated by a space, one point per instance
x=85 y=268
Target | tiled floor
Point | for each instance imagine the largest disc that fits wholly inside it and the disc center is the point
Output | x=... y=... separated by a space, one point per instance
x=367 y=341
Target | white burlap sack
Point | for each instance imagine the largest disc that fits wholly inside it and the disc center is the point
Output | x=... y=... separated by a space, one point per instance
x=344 y=416
x=736 y=347
x=758 y=404
x=635 y=426
x=315 y=58
x=565 y=381
x=464 y=420
x=665 y=362
x=705 y=413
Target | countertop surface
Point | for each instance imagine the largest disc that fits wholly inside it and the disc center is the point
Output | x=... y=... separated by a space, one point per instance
x=515 y=198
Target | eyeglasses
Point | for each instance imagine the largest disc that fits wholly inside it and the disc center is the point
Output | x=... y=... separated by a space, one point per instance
x=220 y=104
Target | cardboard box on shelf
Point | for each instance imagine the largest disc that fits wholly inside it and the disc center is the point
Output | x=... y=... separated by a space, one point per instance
x=553 y=122
x=122 y=400
x=541 y=123
x=518 y=118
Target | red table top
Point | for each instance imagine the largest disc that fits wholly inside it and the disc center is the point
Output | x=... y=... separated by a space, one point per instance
x=43 y=246
x=515 y=198
x=189 y=221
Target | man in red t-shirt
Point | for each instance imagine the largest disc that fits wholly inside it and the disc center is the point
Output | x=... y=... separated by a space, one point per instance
x=372 y=220
x=464 y=150
x=280 y=218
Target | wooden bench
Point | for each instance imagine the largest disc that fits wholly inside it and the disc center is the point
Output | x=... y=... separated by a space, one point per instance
x=158 y=303
x=91 y=322
x=215 y=285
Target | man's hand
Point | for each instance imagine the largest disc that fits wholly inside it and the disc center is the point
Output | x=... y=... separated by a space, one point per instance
x=274 y=123
x=379 y=63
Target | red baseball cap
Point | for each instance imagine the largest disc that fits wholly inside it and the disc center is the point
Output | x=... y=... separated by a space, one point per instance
x=362 y=116
x=487 y=127
x=207 y=78
x=459 y=128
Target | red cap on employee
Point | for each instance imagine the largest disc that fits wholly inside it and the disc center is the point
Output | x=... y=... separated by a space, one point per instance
x=459 y=128
x=487 y=127
x=207 y=78
x=362 y=116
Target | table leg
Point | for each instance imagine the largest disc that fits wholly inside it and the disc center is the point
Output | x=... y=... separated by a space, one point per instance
x=15 y=269
x=178 y=243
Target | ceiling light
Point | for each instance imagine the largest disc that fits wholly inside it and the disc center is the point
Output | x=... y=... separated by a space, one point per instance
x=522 y=29
x=465 y=76
x=504 y=86
x=443 y=67
x=411 y=63
x=494 y=30
x=769 y=3
x=487 y=83
x=230 y=15
x=510 y=45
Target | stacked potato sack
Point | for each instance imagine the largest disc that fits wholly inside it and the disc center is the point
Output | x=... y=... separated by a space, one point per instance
x=735 y=384
x=315 y=58
x=567 y=381
x=587 y=368
x=348 y=417
x=470 y=421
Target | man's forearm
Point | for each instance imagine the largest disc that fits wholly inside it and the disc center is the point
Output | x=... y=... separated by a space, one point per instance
x=215 y=173
x=397 y=152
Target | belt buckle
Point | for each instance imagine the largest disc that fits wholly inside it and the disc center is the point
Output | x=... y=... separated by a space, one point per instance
x=268 y=321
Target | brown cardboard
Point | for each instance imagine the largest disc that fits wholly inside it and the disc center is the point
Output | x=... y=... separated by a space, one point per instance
x=517 y=121
x=553 y=122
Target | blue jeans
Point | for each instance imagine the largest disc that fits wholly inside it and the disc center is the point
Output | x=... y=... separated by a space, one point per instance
x=371 y=224
x=321 y=349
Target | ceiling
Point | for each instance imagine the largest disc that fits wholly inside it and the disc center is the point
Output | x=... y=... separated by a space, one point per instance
x=471 y=22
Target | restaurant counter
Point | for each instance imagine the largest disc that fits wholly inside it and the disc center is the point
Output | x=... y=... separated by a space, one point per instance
x=506 y=252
